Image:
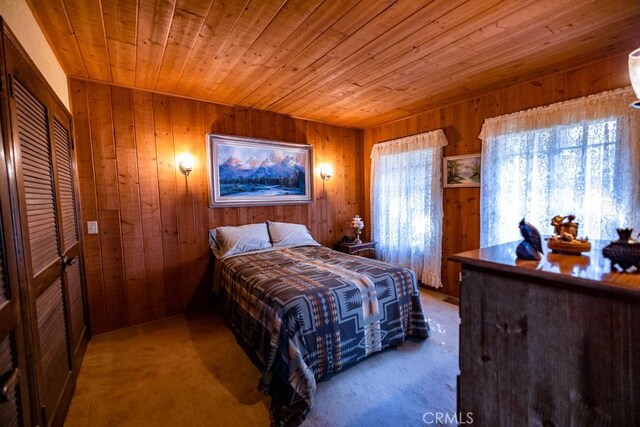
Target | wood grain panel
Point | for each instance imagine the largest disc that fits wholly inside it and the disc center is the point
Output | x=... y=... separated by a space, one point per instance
x=113 y=275
x=154 y=226
x=92 y=253
x=185 y=26
x=246 y=60
x=108 y=204
x=154 y=21
x=343 y=25
x=130 y=208
x=88 y=29
x=429 y=47
x=249 y=25
x=104 y=152
x=346 y=62
x=250 y=87
x=166 y=167
x=219 y=22
x=462 y=123
x=120 y=21
x=377 y=36
x=184 y=118
x=149 y=204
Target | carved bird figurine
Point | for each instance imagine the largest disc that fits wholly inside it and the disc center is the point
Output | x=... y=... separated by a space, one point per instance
x=531 y=247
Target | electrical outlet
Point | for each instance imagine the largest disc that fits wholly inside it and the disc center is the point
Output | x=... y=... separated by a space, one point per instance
x=92 y=227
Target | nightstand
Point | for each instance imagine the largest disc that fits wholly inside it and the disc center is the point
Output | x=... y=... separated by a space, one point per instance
x=365 y=249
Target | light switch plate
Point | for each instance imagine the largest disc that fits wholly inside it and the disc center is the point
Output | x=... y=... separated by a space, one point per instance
x=92 y=227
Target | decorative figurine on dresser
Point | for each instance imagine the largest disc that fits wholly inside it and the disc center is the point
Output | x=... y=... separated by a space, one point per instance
x=565 y=240
x=624 y=252
x=531 y=247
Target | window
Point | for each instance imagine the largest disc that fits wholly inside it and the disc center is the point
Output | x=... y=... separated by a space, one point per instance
x=405 y=187
x=581 y=165
x=407 y=203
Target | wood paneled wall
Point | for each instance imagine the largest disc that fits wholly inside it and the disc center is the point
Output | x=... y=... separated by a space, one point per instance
x=151 y=256
x=462 y=123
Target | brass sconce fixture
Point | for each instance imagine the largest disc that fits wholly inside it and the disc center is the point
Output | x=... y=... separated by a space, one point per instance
x=185 y=164
x=325 y=172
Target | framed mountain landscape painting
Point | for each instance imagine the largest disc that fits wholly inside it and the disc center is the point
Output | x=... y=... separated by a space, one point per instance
x=257 y=172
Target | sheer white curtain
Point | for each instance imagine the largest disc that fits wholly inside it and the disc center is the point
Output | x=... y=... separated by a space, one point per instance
x=578 y=157
x=406 y=195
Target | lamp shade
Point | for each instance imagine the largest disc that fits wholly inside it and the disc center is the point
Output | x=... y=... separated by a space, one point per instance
x=185 y=163
x=326 y=171
x=634 y=74
x=357 y=222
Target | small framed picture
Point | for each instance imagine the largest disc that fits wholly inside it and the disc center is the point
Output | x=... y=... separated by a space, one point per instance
x=461 y=171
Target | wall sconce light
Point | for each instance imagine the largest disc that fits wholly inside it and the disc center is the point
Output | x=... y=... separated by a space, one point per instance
x=325 y=172
x=185 y=163
x=634 y=74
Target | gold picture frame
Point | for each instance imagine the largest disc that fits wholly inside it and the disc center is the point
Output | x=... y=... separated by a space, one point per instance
x=461 y=171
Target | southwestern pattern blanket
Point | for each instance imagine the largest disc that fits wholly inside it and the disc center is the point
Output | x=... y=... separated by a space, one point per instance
x=310 y=311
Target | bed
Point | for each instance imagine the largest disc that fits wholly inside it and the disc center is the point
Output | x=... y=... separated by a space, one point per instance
x=304 y=311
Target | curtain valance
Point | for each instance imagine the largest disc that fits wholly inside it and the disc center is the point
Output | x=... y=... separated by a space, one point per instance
x=420 y=141
x=605 y=104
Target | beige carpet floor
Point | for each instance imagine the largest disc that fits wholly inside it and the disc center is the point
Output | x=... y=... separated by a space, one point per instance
x=188 y=370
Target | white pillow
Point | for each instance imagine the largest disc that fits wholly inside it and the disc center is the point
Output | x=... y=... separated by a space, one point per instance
x=286 y=234
x=229 y=240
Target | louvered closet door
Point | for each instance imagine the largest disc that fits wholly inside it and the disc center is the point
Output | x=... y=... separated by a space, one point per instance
x=14 y=395
x=9 y=373
x=35 y=179
x=70 y=241
x=8 y=403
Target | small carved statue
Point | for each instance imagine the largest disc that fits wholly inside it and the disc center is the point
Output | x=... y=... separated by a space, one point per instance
x=531 y=247
x=565 y=227
x=565 y=240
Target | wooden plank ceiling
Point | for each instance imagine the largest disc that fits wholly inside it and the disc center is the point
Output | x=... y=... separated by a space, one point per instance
x=349 y=62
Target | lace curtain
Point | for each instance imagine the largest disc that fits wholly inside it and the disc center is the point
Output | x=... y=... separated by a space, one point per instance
x=578 y=157
x=406 y=194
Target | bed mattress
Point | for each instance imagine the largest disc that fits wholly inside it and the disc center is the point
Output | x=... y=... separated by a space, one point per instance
x=310 y=311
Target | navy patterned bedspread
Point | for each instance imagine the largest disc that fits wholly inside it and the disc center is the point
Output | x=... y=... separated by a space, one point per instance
x=310 y=311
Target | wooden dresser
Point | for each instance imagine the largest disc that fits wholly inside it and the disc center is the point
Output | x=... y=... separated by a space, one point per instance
x=554 y=342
